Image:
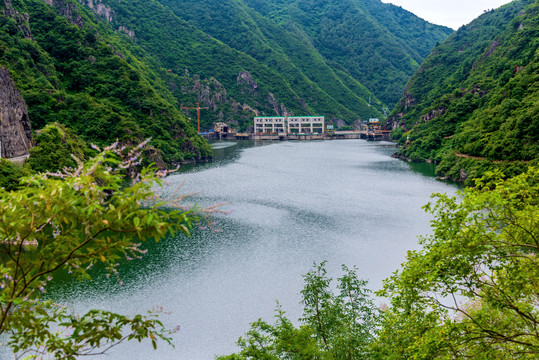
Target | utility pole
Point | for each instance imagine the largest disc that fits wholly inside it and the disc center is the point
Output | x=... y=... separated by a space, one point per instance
x=198 y=108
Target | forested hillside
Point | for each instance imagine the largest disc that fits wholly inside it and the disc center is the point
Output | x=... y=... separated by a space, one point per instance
x=233 y=85
x=473 y=103
x=79 y=72
x=355 y=55
x=122 y=69
x=110 y=69
x=380 y=45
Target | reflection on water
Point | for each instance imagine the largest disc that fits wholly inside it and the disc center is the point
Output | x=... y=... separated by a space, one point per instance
x=291 y=204
x=225 y=152
x=425 y=168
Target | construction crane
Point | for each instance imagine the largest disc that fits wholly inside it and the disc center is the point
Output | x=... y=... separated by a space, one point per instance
x=198 y=108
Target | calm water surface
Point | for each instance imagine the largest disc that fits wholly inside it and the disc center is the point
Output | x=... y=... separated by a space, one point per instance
x=291 y=204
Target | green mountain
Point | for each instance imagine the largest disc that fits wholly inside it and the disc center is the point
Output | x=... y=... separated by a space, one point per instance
x=345 y=59
x=78 y=71
x=240 y=62
x=111 y=69
x=473 y=104
x=202 y=69
x=380 y=45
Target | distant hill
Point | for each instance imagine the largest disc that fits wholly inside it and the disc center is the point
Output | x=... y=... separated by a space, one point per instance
x=473 y=104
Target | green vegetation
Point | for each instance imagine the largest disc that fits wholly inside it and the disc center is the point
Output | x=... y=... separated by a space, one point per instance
x=123 y=75
x=123 y=69
x=226 y=78
x=78 y=72
x=379 y=45
x=469 y=292
x=56 y=148
x=68 y=223
x=333 y=326
x=206 y=45
x=473 y=103
x=11 y=174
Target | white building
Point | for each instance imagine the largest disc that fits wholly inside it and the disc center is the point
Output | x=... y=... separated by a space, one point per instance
x=289 y=124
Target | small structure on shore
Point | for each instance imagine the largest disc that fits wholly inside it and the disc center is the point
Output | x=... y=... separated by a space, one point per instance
x=373 y=131
x=222 y=128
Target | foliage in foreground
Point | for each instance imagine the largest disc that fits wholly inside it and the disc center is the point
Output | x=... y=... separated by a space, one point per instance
x=333 y=326
x=74 y=220
x=472 y=290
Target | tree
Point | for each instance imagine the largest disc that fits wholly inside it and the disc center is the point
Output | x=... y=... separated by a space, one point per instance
x=472 y=291
x=333 y=326
x=55 y=144
x=10 y=174
x=72 y=220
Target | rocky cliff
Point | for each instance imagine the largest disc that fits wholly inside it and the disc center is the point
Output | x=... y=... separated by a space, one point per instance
x=15 y=132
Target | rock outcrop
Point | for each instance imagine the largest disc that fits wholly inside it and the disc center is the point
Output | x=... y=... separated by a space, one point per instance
x=15 y=131
x=99 y=9
x=434 y=114
x=69 y=10
x=247 y=82
x=21 y=19
x=279 y=109
x=129 y=33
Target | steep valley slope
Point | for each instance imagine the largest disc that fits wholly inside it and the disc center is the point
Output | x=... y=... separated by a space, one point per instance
x=473 y=104
x=123 y=70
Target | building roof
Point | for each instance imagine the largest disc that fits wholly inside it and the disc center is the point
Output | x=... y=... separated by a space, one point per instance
x=299 y=116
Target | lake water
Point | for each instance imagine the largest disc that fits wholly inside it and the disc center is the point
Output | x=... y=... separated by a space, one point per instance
x=291 y=204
